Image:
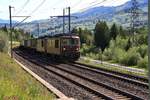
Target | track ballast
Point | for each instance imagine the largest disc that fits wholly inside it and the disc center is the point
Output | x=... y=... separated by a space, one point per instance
x=91 y=83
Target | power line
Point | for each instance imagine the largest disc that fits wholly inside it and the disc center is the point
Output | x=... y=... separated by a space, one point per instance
x=22 y=8
x=94 y=2
x=37 y=7
x=57 y=3
x=83 y=9
x=31 y=13
x=76 y=4
x=21 y=21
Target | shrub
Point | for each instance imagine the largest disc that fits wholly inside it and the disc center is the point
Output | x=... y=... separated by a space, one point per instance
x=143 y=50
x=108 y=54
x=83 y=49
x=93 y=55
x=3 y=42
x=131 y=58
x=86 y=49
x=121 y=43
x=143 y=63
x=142 y=39
x=114 y=53
x=118 y=54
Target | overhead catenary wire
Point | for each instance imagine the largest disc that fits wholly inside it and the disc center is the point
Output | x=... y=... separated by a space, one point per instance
x=37 y=7
x=80 y=2
x=93 y=5
x=83 y=9
x=21 y=21
x=45 y=0
x=22 y=8
x=76 y=4
x=30 y=13
x=94 y=2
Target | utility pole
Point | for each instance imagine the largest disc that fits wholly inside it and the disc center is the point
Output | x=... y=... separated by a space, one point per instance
x=10 y=17
x=149 y=44
x=63 y=21
x=69 y=19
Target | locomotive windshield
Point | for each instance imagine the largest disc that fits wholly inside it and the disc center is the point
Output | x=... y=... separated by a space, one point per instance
x=71 y=41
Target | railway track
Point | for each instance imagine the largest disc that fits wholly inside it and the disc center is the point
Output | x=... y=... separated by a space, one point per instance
x=81 y=76
x=139 y=81
x=58 y=81
x=133 y=77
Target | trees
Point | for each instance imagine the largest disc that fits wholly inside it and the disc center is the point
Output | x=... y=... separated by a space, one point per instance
x=4 y=41
x=81 y=35
x=101 y=35
x=88 y=36
x=122 y=32
x=74 y=31
x=84 y=34
x=114 y=31
x=5 y=28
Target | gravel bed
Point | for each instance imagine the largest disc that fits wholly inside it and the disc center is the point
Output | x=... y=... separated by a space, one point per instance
x=128 y=87
x=132 y=88
x=89 y=84
x=61 y=84
x=98 y=88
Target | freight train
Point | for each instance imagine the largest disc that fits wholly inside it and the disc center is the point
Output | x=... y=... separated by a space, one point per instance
x=58 y=46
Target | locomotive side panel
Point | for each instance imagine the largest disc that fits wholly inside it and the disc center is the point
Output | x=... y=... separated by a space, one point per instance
x=33 y=43
x=25 y=43
x=29 y=43
x=53 y=46
x=40 y=45
x=66 y=47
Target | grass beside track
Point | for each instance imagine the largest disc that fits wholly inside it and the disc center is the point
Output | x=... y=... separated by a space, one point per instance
x=112 y=68
x=16 y=84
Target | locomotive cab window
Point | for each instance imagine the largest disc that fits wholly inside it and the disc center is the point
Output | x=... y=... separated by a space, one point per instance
x=73 y=41
x=70 y=41
x=56 y=43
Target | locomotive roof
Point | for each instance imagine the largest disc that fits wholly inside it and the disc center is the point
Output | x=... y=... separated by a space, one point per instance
x=58 y=35
x=61 y=35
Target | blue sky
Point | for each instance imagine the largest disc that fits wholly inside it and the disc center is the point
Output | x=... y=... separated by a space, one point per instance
x=48 y=7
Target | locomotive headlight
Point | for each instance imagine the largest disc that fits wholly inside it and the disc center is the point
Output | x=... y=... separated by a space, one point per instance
x=64 y=49
x=77 y=49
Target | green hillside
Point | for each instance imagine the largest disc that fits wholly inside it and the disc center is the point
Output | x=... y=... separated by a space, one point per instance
x=15 y=83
